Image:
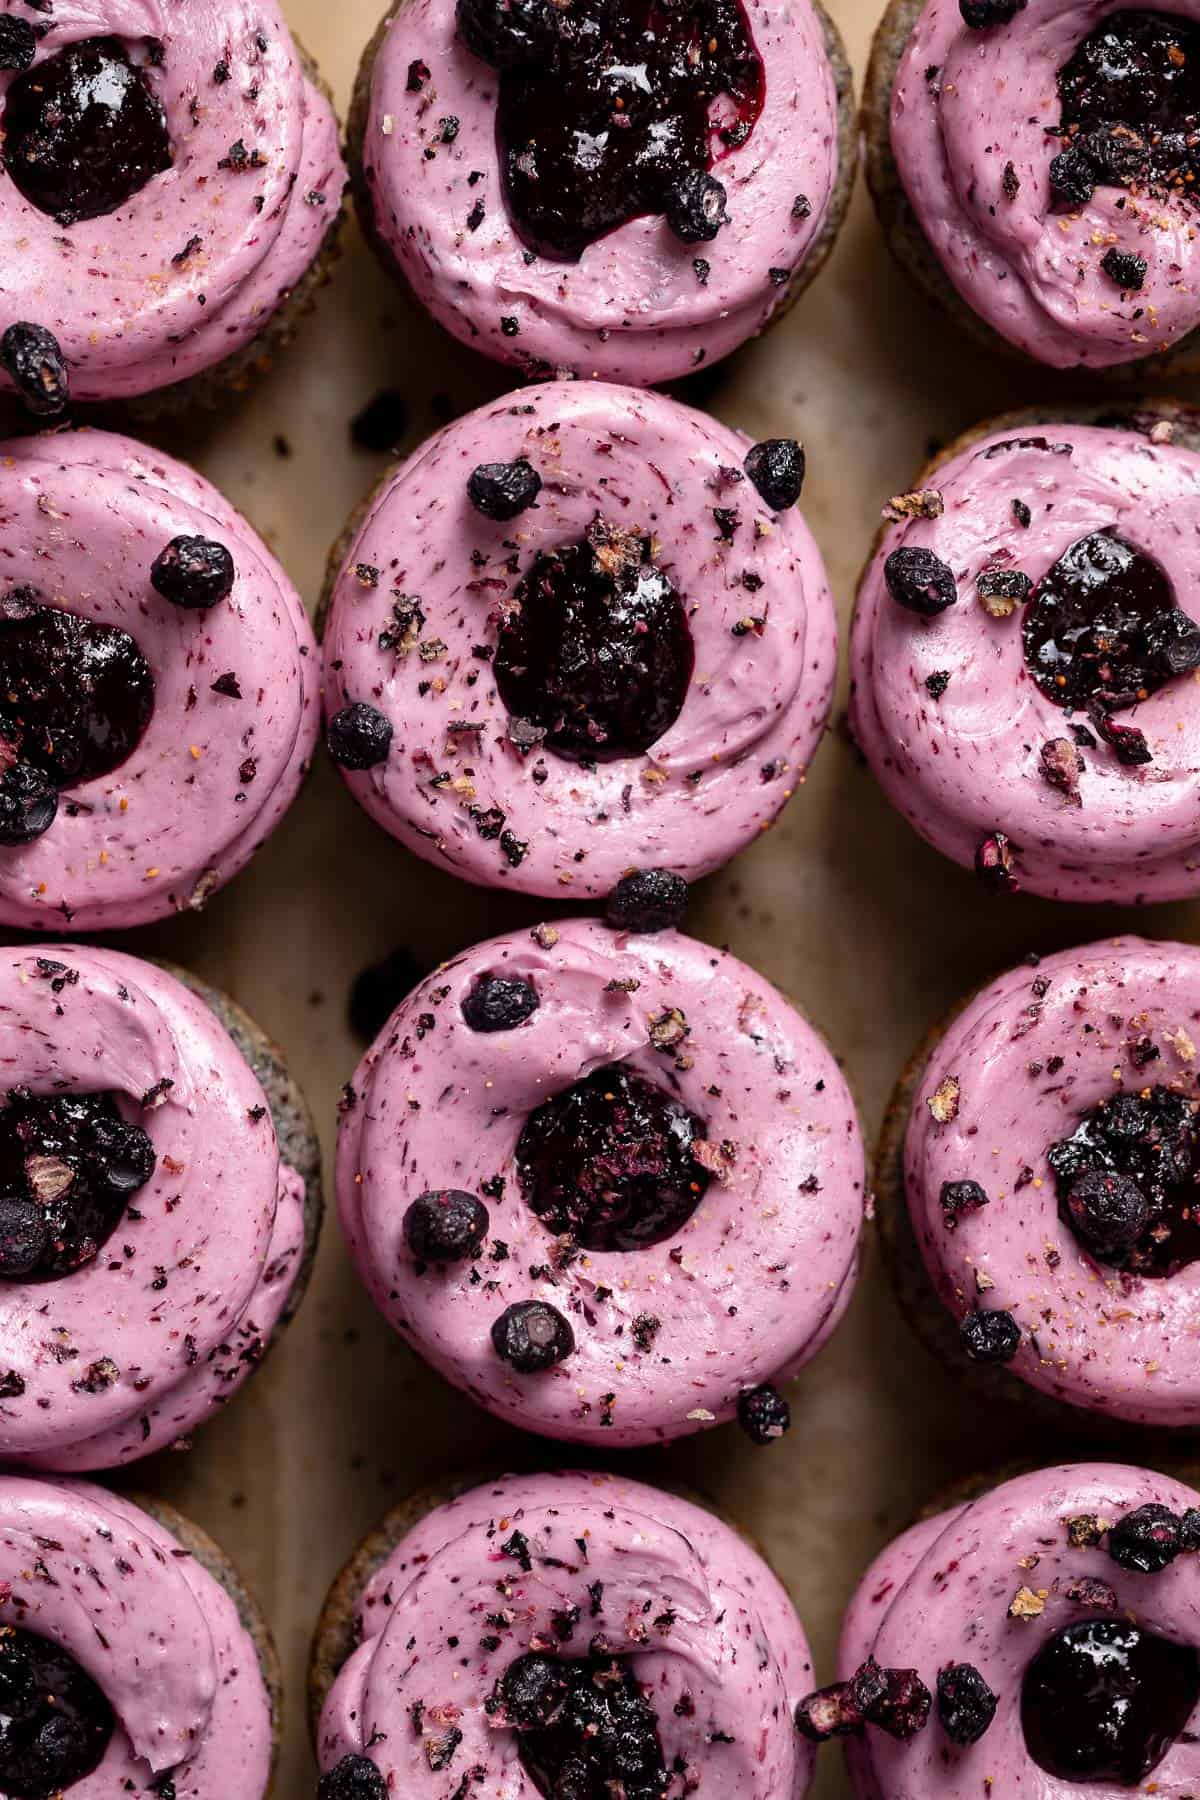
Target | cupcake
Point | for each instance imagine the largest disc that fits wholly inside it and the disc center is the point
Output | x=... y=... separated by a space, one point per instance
x=1038 y=1180
x=1041 y=1637
x=170 y=200
x=582 y=628
x=1023 y=655
x=558 y=1634
x=132 y=1659
x=158 y=685
x=159 y=1205
x=661 y=245
x=1032 y=165
x=610 y=1185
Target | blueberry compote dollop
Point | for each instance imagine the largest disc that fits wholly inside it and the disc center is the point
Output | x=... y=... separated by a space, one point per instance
x=585 y=1729
x=607 y=107
x=69 y=1164
x=596 y=652
x=1146 y=1217
x=610 y=1161
x=84 y=130
x=1130 y=107
x=1104 y=1701
x=55 y=1723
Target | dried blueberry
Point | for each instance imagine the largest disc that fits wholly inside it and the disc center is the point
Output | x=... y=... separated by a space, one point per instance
x=763 y=1414
x=359 y=737
x=193 y=572
x=995 y=863
x=920 y=581
x=28 y=804
x=966 y=1704
x=499 y=1002
x=959 y=1197
x=121 y=1155
x=1107 y=1211
x=896 y=1700
x=1189 y=1530
x=1173 y=641
x=533 y=1690
x=648 y=900
x=695 y=207
x=1072 y=178
x=18 y=43
x=354 y=1778
x=1127 y=740
x=1124 y=268
x=1146 y=1540
x=446 y=1225
x=829 y=1712
x=33 y=358
x=24 y=1232
x=57 y=1721
x=502 y=490
x=507 y=33
x=990 y=1337
x=776 y=468
x=532 y=1336
x=980 y=14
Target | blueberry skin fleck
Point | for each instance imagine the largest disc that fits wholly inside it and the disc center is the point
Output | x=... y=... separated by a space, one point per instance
x=359 y=737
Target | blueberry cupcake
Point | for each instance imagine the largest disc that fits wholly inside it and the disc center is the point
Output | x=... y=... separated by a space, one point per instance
x=1032 y=164
x=132 y=1659
x=159 y=1205
x=1023 y=655
x=559 y=1634
x=169 y=200
x=159 y=691
x=580 y=629
x=598 y=190
x=1039 y=1637
x=609 y=1184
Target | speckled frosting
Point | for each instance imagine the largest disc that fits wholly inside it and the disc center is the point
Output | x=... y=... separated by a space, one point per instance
x=697 y=1611
x=969 y=104
x=87 y=513
x=941 y=1594
x=130 y=1352
x=758 y=698
x=967 y=762
x=193 y=266
x=158 y=1634
x=633 y=309
x=746 y=1292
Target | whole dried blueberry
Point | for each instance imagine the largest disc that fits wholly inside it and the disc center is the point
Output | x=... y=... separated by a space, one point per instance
x=1107 y=1211
x=1124 y=268
x=533 y=1689
x=980 y=14
x=1172 y=639
x=1072 y=178
x=28 y=804
x=648 y=900
x=763 y=1414
x=776 y=468
x=532 y=1336
x=359 y=737
x=446 y=1225
x=33 y=358
x=990 y=1337
x=24 y=1231
x=121 y=1155
x=506 y=34
x=695 y=207
x=920 y=581
x=1146 y=1540
x=354 y=1778
x=499 y=1002
x=501 y=491
x=193 y=572
x=966 y=1704
x=959 y=1197
x=18 y=42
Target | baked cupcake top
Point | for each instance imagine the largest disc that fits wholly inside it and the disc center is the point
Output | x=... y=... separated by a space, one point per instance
x=149 y=1233
x=1045 y=148
x=658 y=1641
x=169 y=175
x=608 y=1184
x=158 y=685
x=1055 y=1625
x=1022 y=660
x=580 y=629
x=538 y=232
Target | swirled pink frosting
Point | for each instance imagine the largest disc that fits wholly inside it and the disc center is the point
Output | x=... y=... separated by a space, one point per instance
x=1031 y=1053
x=963 y=764
x=159 y=1635
x=746 y=1292
x=131 y=1351
x=680 y=1593
x=633 y=308
x=941 y=1594
x=86 y=514
x=192 y=267
x=757 y=702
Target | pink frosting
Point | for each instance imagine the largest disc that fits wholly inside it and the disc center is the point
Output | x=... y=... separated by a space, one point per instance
x=633 y=308
x=941 y=1594
x=129 y=1353
x=746 y=1292
x=135 y=302
x=1093 y=1336
x=758 y=700
x=86 y=514
x=966 y=105
x=159 y=1635
x=683 y=1595
x=962 y=765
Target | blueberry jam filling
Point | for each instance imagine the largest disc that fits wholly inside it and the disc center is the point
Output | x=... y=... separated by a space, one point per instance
x=595 y=651
x=1104 y=1701
x=69 y=1164
x=1128 y=1181
x=1130 y=98
x=84 y=131
x=585 y=1730
x=610 y=111
x=55 y=1723
x=610 y=1162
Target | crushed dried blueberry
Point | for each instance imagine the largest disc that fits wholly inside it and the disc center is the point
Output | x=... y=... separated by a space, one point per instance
x=359 y=737
x=763 y=1414
x=695 y=207
x=378 y=990
x=1146 y=1540
x=1072 y=178
x=33 y=358
x=958 y=1198
x=1104 y=1700
x=966 y=1704
x=499 y=1002
x=920 y=581
x=28 y=804
x=990 y=1337
x=776 y=468
x=446 y=1226
x=354 y=1778
x=586 y=1730
x=193 y=572
x=895 y=1700
x=501 y=491
x=1127 y=1181
x=532 y=1336
x=648 y=900
x=57 y=1721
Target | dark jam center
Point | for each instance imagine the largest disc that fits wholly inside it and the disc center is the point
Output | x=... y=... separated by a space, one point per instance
x=75 y=697
x=55 y=1723
x=614 y=105
x=1131 y=101
x=1100 y=625
x=603 y=1739
x=596 y=651
x=84 y=130
x=1104 y=1701
x=610 y=1163
x=1153 y=1139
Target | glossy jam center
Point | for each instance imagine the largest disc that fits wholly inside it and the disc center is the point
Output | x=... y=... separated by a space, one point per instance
x=75 y=698
x=596 y=652
x=1153 y=1138
x=84 y=131
x=1131 y=100
x=610 y=1163
x=602 y=1739
x=1104 y=1701
x=55 y=1723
